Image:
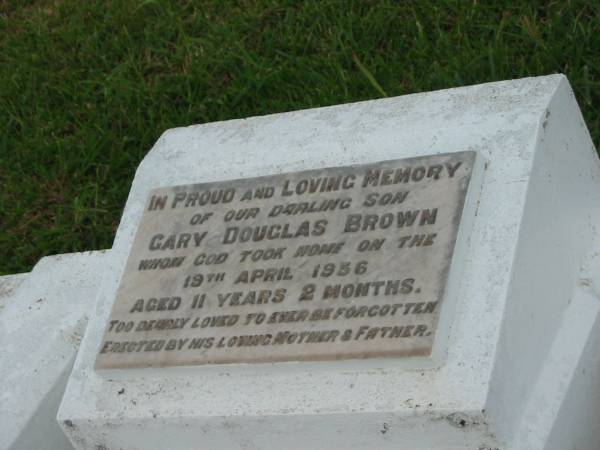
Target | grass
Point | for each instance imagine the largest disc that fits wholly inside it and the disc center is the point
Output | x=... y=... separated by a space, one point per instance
x=86 y=87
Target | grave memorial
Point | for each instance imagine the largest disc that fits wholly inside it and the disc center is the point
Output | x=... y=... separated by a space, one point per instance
x=333 y=263
x=415 y=272
x=419 y=272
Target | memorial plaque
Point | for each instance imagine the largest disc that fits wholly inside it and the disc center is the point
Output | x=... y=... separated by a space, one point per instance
x=334 y=263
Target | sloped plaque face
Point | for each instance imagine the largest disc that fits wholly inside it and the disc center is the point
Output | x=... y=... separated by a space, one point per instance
x=335 y=263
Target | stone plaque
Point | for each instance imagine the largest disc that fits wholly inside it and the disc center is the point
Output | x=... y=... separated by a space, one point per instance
x=334 y=263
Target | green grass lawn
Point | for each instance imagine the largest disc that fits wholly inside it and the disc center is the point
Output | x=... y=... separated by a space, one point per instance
x=86 y=87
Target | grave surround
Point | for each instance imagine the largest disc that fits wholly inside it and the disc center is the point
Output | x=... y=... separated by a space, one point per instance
x=43 y=315
x=534 y=157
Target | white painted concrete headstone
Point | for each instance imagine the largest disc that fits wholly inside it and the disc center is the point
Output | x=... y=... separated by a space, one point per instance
x=512 y=361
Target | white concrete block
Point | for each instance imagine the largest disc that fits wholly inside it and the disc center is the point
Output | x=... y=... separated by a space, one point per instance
x=557 y=231
x=9 y=285
x=518 y=344
x=41 y=325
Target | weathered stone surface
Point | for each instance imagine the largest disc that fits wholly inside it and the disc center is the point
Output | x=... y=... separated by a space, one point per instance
x=337 y=263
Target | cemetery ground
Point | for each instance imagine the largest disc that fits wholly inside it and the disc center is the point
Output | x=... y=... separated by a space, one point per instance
x=86 y=88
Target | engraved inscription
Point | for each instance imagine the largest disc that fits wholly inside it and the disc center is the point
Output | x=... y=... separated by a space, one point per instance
x=335 y=263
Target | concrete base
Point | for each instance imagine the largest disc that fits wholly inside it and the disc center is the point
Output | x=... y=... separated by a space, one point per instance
x=523 y=346
x=43 y=315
